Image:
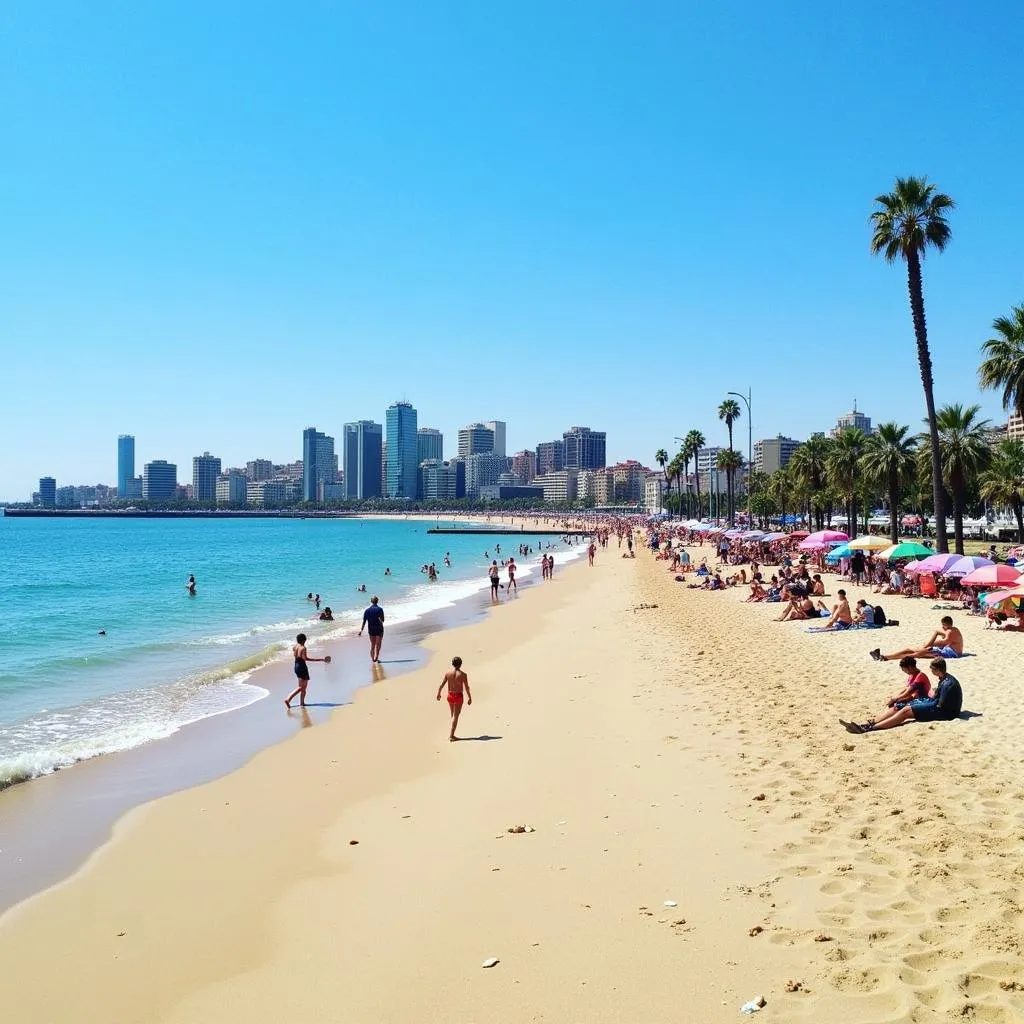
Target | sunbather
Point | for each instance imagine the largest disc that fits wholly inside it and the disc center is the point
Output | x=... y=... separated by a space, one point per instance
x=943 y=707
x=945 y=642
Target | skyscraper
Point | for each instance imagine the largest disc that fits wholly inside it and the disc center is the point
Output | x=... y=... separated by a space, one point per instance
x=524 y=465
x=584 y=448
x=429 y=444
x=48 y=492
x=361 y=459
x=550 y=457
x=159 y=480
x=497 y=428
x=318 y=462
x=476 y=439
x=852 y=419
x=125 y=465
x=205 y=470
x=401 y=427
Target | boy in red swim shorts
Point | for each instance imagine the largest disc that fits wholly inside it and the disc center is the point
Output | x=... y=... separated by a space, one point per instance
x=457 y=682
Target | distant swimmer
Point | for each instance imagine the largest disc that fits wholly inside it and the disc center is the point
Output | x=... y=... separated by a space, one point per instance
x=327 y=615
x=387 y=572
x=432 y=572
x=191 y=586
x=458 y=686
x=373 y=623
x=316 y=600
x=309 y=596
x=362 y=588
x=103 y=632
x=302 y=670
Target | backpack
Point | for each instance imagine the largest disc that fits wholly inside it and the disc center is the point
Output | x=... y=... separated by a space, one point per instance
x=880 y=619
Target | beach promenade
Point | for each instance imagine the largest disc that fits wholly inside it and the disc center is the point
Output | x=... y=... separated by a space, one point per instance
x=704 y=833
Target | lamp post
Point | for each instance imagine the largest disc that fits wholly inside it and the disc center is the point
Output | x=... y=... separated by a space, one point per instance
x=750 y=442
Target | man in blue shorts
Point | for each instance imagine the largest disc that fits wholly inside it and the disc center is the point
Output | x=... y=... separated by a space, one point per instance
x=943 y=707
x=946 y=642
x=373 y=622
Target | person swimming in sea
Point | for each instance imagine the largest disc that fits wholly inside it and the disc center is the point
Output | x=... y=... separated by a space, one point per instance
x=191 y=586
x=327 y=615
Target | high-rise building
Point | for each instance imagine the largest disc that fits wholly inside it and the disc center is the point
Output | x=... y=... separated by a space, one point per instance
x=475 y=439
x=66 y=497
x=361 y=459
x=259 y=469
x=852 y=419
x=270 y=493
x=48 y=492
x=159 y=480
x=628 y=482
x=584 y=448
x=524 y=465
x=402 y=479
x=319 y=464
x=550 y=457
x=483 y=469
x=437 y=480
x=497 y=428
x=558 y=486
x=1015 y=426
x=654 y=493
x=205 y=470
x=429 y=444
x=125 y=465
x=232 y=488
x=773 y=453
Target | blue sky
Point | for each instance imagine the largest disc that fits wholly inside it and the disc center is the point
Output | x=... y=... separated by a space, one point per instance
x=223 y=222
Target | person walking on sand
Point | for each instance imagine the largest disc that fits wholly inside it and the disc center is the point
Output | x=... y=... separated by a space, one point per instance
x=302 y=670
x=495 y=574
x=512 y=585
x=591 y=551
x=457 y=682
x=373 y=623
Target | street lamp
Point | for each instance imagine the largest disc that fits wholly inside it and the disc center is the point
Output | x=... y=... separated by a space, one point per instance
x=750 y=441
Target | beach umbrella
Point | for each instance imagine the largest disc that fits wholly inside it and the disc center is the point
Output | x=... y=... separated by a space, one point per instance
x=771 y=537
x=992 y=576
x=734 y=532
x=867 y=543
x=999 y=596
x=823 y=539
x=913 y=568
x=797 y=534
x=908 y=549
x=843 y=551
x=755 y=535
x=938 y=563
x=966 y=564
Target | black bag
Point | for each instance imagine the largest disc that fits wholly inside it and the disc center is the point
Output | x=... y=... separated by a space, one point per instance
x=879 y=616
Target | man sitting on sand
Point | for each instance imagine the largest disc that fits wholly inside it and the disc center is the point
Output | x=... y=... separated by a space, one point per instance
x=943 y=707
x=945 y=642
x=841 y=618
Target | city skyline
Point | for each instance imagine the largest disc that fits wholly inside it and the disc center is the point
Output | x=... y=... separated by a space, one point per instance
x=161 y=274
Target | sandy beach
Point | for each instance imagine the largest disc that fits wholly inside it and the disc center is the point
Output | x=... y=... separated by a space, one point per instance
x=704 y=833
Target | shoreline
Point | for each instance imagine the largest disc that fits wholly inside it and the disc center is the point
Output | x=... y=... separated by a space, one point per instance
x=35 y=854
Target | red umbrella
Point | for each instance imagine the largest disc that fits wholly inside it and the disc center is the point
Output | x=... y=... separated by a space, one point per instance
x=992 y=576
x=799 y=534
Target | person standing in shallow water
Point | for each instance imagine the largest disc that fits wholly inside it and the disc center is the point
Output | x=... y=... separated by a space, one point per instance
x=373 y=623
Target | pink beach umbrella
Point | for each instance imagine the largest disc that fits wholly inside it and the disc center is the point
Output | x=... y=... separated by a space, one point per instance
x=913 y=568
x=993 y=576
x=823 y=539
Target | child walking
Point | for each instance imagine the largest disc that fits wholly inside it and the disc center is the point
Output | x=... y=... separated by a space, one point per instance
x=458 y=684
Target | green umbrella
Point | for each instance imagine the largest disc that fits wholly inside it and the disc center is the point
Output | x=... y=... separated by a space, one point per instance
x=908 y=549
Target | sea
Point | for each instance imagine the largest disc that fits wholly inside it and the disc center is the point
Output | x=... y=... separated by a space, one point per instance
x=103 y=649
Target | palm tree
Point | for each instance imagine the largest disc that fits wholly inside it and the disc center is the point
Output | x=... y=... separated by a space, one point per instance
x=684 y=458
x=694 y=442
x=1003 y=365
x=889 y=463
x=661 y=458
x=965 y=453
x=808 y=465
x=910 y=219
x=673 y=473
x=729 y=412
x=1003 y=482
x=843 y=466
x=729 y=461
x=779 y=486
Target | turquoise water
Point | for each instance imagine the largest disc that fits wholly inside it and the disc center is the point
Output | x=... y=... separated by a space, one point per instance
x=67 y=693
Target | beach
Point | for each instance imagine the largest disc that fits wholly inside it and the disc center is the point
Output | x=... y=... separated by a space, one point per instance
x=704 y=833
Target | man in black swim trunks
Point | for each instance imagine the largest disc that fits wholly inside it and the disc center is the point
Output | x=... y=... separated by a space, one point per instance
x=373 y=623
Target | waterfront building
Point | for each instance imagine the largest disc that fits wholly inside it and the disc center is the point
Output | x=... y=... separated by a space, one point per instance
x=47 y=492
x=429 y=444
x=159 y=480
x=628 y=482
x=270 y=494
x=330 y=492
x=475 y=439
x=550 y=457
x=497 y=428
x=259 y=469
x=482 y=469
x=319 y=463
x=506 y=492
x=437 y=480
x=65 y=497
x=402 y=477
x=559 y=486
x=654 y=493
x=852 y=419
x=125 y=465
x=584 y=448
x=524 y=465
x=773 y=453
x=232 y=488
x=205 y=470
x=361 y=446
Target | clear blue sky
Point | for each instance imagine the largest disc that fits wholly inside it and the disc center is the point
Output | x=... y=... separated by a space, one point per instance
x=223 y=222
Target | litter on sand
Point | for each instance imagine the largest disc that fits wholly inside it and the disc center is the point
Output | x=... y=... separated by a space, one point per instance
x=671 y=903
x=491 y=961
x=755 y=1005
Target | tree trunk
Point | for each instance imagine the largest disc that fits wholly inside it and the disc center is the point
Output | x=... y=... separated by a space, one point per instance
x=728 y=481
x=894 y=530
x=924 y=359
x=1018 y=511
x=959 y=501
